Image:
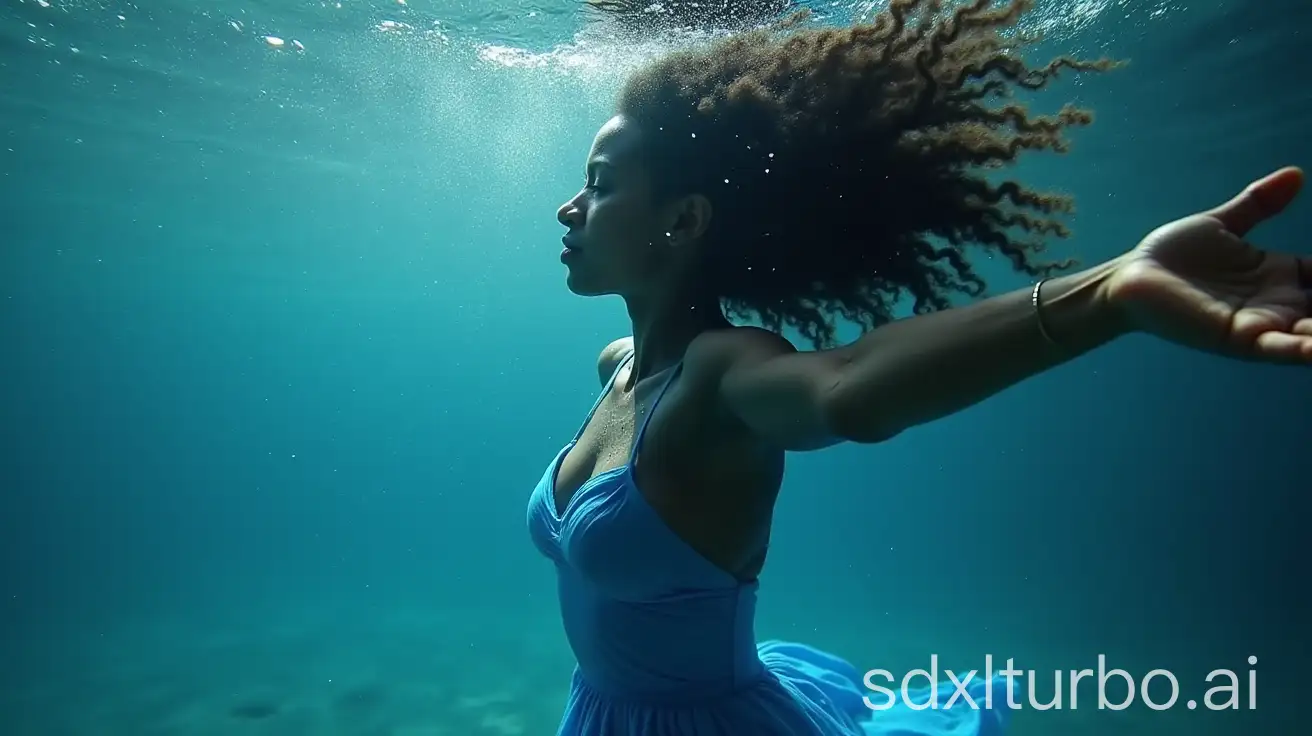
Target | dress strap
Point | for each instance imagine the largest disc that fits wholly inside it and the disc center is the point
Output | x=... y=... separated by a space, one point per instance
x=605 y=390
x=642 y=428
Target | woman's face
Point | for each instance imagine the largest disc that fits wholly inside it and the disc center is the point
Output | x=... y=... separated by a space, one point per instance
x=621 y=239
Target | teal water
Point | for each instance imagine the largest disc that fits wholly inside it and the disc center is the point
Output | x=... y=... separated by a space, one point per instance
x=284 y=345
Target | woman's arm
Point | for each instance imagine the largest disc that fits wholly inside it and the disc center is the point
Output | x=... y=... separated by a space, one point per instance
x=1196 y=281
x=919 y=369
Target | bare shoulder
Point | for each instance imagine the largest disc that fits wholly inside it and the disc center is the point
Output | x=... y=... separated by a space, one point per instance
x=715 y=352
x=712 y=364
x=767 y=389
x=610 y=357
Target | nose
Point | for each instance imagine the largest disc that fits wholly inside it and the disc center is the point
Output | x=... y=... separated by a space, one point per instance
x=569 y=215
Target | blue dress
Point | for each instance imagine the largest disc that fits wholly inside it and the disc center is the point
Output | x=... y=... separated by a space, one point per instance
x=665 y=641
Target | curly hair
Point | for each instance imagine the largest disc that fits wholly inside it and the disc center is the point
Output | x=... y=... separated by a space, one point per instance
x=834 y=156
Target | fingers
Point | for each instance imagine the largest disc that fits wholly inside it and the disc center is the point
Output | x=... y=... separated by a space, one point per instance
x=1283 y=347
x=1260 y=200
x=1273 y=343
x=1269 y=337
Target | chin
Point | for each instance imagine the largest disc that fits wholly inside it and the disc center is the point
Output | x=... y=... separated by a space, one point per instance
x=581 y=287
x=576 y=285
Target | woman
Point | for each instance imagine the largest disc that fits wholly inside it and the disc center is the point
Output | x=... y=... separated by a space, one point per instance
x=791 y=176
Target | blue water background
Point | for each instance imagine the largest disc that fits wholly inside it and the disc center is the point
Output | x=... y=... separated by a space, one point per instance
x=284 y=345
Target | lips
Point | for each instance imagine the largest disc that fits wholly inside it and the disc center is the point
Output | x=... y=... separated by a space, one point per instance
x=570 y=251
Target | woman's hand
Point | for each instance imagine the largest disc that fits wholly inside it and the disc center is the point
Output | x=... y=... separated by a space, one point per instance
x=1197 y=281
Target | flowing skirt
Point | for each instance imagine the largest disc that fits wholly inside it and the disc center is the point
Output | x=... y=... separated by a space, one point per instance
x=804 y=692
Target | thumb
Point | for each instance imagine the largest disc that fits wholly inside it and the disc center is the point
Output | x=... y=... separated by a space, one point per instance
x=1260 y=200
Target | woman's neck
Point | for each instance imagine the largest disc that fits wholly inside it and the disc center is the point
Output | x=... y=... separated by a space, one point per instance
x=663 y=329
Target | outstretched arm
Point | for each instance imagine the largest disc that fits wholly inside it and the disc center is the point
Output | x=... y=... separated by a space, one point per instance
x=1195 y=281
x=915 y=370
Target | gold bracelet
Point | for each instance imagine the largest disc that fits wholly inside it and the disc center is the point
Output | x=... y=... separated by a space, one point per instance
x=1038 y=312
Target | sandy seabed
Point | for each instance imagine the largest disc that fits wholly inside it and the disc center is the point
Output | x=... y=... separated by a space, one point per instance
x=416 y=673
x=324 y=672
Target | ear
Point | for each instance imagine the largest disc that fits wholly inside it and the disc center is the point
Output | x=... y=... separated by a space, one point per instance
x=689 y=218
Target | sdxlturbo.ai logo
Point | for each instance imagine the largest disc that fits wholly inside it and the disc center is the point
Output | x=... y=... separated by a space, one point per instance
x=967 y=690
